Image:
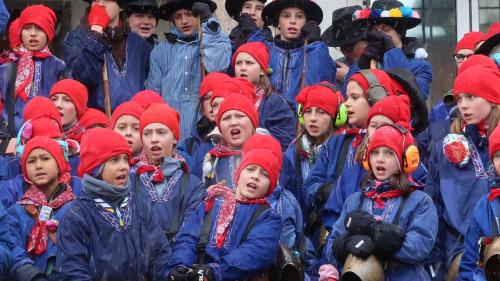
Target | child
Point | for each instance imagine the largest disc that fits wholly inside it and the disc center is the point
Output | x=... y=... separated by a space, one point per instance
x=389 y=218
x=45 y=202
x=104 y=40
x=36 y=69
x=70 y=97
x=146 y=97
x=142 y=17
x=175 y=66
x=94 y=118
x=110 y=233
x=251 y=62
x=125 y=120
x=163 y=176
x=232 y=235
x=299 y=36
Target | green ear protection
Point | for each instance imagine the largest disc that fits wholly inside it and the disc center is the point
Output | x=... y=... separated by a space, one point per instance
x=300 y=117
x=341 y=114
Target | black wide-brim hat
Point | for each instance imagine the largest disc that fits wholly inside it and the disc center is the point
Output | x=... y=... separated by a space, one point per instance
x=344 y=31
x=141 y=6
x=271 y=12
x=390 y=12
x=491 y=40
x=233 y=7
x=120 y=2
x=166 y=10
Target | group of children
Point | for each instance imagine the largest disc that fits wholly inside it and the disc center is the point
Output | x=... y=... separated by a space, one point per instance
x=245 y=157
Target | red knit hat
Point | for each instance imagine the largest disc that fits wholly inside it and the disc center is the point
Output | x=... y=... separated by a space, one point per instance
x=264 y=158
x=52 y=147
x=211 y=81
x=94 y=117
x=481 y=81
x=382 y=77
x=164 y=114
x=75 y=90
x=235 y=102
x=126 y=108
x=476 y=60
x=147 y=97
x=469 y=41
x=320 y=96
x=237 y=86
x=265 y=142
x=396 y=108
x=99 y=145
x=258 y=51
x=43 y=126
x=40 y=15
x=41 y=106
x=391 y=138
x=494 y=142
x=14 y=34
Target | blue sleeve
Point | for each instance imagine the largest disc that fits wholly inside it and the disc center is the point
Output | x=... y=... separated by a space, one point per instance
x=395 y=58
x=421 y=233
x=333 y=206
x=156 y=61
x=216 y=48
x=84 y=56
x=432 y=181
x=4 y=17
x=195 y=195
x=317 y=177
x=279 y=120
x=422 y=70
x=19 y=255
x=73 y=254
x=6 y=242
x=158 y=260
x=320 y=66
x=288 y=175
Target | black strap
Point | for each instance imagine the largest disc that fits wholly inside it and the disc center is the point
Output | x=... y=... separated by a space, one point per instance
x=343 y=155
x=176 y=219
x=207 y=224
x=10 y=99
x=298 y=166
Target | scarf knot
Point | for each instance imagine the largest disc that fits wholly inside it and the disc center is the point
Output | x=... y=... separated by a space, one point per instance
x=494 y=193
x=26 y=71
x=383 y=191
x=145 y=166
x=224 y=151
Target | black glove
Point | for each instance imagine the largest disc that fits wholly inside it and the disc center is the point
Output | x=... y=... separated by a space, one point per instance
x=369 y=53
x=359 y=222
x=247 y=24
x=360 y=245
x=339 y=249
x=388 y=238
x=181 y=273
x=311 y=32
x=203 y=272
x=380 y=41
x=202 y=10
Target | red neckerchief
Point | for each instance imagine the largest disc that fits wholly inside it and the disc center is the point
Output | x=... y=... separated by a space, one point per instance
x=75 y=132
x=481 y=128
x=26 y=70
x=144 y=166
x=226 y=214
x=494 y=193
x=381 y=197
x=259 y=96
x=224 y=151
x=32 y=200
x=357 y=132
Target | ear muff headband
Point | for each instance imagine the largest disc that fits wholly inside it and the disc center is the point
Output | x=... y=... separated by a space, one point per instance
x=376 y=91
x=411 y=155
x=300 y=116
x=341 y=112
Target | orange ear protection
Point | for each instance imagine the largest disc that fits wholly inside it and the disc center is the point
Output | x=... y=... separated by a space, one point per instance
x=377 y=91
x=411 y=155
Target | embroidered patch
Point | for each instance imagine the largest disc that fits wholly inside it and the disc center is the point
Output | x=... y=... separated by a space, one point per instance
x=456 y=149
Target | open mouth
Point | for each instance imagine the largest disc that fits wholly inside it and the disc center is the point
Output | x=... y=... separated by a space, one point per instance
x=380 y=169
x=293 y=30
x=145 y=28
x=243 y=75
x=235 y=132
x=252 y=186
x=40 y=175
x=467 y=115
x=155 y=148
x=33 y=42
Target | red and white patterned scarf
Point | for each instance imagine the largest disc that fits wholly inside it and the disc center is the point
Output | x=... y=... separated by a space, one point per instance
x=26 y=70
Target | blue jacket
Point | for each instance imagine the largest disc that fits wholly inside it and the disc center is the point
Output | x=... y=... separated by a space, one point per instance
x=172 y=206
x=84 y=54
x=4 y=18
x=175 y=70
x=419 y=220
x=225 y=167
x=7 y=243
x=441 y=111
x=195 y=147
x=236 y=259
x=21 y=224
x=47 y=72
x=91 y=248
x=456 y=191
x=276 y=115
x=287 y=60
x=12 y=190
x=480 y=225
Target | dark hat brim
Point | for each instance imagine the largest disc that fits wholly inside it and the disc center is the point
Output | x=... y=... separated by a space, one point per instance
x=233 y=8
x=166 y=10
x=329 y=40
x=271 y=12
x=120 y=2
x=402 y=22
x=488 y=45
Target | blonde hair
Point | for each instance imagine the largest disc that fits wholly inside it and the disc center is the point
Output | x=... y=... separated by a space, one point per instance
x=459 y=123
x=400 y=180
x=265 y=84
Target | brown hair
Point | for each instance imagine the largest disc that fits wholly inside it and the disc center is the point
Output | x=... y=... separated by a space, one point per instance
x=265 y=84
x=400 y=181
x=458 y=124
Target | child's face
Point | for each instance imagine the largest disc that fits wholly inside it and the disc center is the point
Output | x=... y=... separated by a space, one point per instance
x=215 y=105
x=34 y=38
x=115 y=170
x=41 y=168
x=254 y=8
x=235 y=128
x=245 y=66
x=375 y=122
x=158 y=142
x=128 y=127
x=185 y=22
x=253 y=183
x=473 y=109
x=383 y=163
x=66 y=108
x=206 y=107
x=291 y=21
x=357 y=105
x=496 y=162
x=143 y=24
x=317 y=122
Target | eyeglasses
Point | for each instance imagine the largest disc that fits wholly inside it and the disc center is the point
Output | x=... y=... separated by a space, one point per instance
x=460 y=57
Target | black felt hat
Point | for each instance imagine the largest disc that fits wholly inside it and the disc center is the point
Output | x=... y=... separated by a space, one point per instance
x=492 y=39
x=390 y=12
x=120 y=2
x=344 y=31
x=271 y=12
x=171 y=6
x=141 y=6
x=233 y=7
